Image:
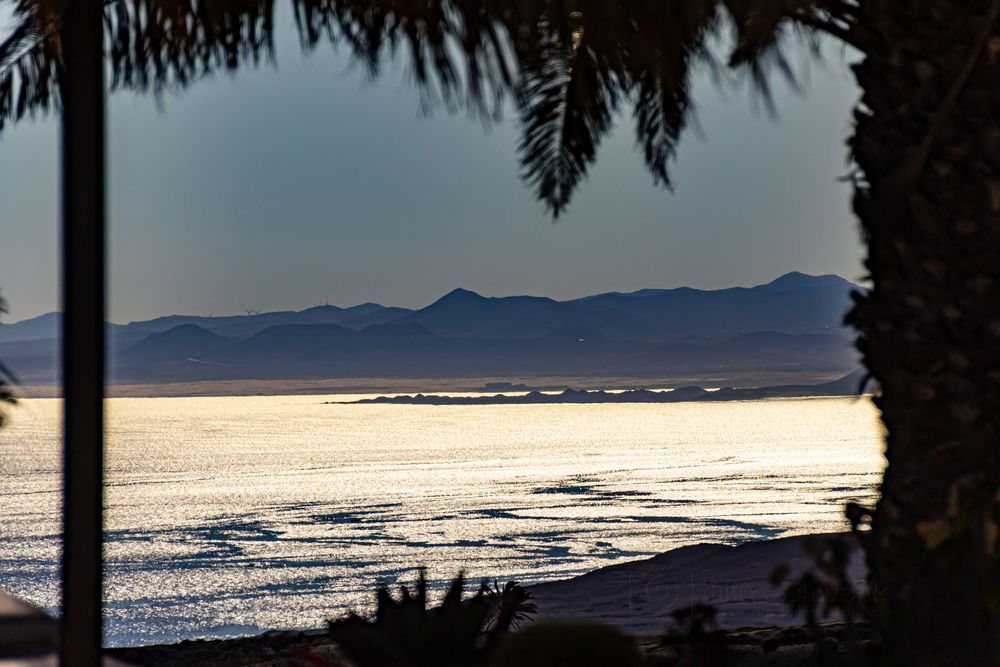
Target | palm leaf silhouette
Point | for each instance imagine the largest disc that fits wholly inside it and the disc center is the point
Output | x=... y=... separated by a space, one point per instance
x=661 y=77
x=568 y=95
x=566 y=64
x=29 y=57
x=153 y=45
x=7 y=378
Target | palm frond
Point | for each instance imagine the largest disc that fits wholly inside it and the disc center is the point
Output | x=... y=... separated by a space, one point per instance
x=566 y=63
x=661 y=62
x=660 y=116
x=153 y=45
x=29 y=57
x=456 y=51
x=762 y=28
x=7 y=378
x=567 y=97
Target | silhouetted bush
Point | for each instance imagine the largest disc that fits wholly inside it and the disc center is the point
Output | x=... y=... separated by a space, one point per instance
x=510 y=606
x=826 y=589
x=405 y=632
x=695 y=636
x=567 y=644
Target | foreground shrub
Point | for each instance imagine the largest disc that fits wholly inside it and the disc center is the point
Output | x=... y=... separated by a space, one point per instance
x=567 y=644
x=458 y=633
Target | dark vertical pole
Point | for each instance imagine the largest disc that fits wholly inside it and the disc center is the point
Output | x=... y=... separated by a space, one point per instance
x=82 y=89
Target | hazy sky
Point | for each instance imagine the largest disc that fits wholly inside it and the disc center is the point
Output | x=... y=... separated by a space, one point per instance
x=281 y=188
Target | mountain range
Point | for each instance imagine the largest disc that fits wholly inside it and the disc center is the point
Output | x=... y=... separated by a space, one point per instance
x=793 y=323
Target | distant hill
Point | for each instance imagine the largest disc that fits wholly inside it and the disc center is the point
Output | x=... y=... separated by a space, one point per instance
x=32 y=360
x=37 y=328
x=356 y=317
x=793 y=303
x=793 y=323
x=758 y=350
x=182 y=342
x=398 y=351
x=465 y=314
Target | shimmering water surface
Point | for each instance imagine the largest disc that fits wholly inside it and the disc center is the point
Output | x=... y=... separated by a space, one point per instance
x=231 y=515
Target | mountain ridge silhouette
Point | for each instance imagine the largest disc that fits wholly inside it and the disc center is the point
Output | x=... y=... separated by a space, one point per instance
x=794 y=321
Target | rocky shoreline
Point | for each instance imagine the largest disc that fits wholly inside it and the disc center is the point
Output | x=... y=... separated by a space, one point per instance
x=849 y=385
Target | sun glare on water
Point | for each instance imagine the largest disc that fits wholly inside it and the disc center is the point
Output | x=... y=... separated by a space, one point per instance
x=232 y=515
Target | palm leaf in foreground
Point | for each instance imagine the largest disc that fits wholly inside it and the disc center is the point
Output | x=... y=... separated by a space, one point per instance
x=29 y=57
x=7 y=378
x=567 y=65
x=568 y=95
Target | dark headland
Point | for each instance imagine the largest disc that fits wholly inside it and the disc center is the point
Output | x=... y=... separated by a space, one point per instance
x=849 y=385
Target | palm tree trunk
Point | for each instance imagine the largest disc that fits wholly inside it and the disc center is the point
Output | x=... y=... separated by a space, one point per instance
x=928 y=144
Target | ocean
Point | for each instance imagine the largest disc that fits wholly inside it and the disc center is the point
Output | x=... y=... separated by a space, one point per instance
x=231 y=516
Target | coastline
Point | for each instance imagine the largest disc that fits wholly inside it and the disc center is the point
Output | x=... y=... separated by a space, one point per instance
x=636 y=597
x=332 y=386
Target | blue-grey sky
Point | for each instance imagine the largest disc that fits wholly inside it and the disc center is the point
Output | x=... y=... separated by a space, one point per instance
x=284 y=187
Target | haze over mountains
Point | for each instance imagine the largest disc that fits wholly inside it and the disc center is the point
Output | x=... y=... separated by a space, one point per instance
x=793 y=323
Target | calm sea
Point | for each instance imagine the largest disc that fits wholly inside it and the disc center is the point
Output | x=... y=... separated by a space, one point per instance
x=229 y=516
